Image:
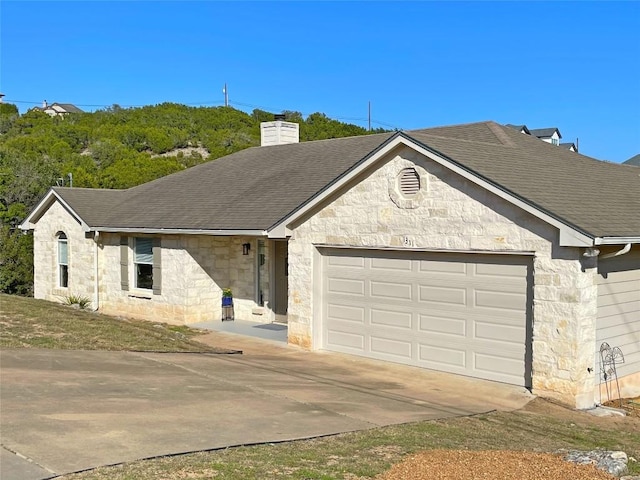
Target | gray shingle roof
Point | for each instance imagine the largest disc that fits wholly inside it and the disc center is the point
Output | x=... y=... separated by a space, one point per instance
x=91 y=204
x=256 y=188
x=249 y=190
x=635 y=160
x=544 y=132
x=567 y=145
x=520 y=128
x=598 y=198
x=69 y=107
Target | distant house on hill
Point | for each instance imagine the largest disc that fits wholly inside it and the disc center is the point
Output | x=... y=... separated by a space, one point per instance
x=569 y=146
x=635 y=161
x=58 y=109
x=550 y=135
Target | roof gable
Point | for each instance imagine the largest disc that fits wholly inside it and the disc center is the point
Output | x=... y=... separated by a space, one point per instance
x=544 y=132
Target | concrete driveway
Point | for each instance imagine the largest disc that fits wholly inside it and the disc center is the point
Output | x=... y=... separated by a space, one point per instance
x=65 y=411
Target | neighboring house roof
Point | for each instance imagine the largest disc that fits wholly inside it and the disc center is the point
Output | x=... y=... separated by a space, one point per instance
x=635 y=160
x=520 y=128
x=68 y=107
x=257 y=188
x=58 y=108
x=568 y=146
x=544 y=132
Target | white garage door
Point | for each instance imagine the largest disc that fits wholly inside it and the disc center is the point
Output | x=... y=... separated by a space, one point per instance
x=459 y=313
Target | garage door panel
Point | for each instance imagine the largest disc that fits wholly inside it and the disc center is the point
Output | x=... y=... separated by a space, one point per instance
x=434 y=325
x=444 y=267
x=393 y=264
x=501 y=271
x=346 y=313
x=443 y=357
x=441 y=296
x=390 y=290
x=432 y=310
x=338 y=260
x=514 y=302
x=390 y=318
x=346 y=340
x=343 y=285
x=396 y=348
x=510 y=369
x=496 y=332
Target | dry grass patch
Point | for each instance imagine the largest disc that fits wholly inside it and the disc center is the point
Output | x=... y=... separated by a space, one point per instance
x=30 y=323
x=541 y=427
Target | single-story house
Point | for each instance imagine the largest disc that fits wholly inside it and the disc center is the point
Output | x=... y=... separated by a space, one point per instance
x=470 y=249
x=58 y=109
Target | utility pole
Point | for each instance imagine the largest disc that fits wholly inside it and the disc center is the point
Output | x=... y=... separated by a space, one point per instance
x=226 y=95
x=369 y=115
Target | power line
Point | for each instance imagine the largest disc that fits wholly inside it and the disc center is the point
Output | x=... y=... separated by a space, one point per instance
x=217 y=103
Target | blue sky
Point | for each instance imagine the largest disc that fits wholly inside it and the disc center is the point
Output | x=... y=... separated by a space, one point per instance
x=572 y=65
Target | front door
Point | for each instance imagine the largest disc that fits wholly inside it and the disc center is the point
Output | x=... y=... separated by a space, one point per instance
x=281 y=280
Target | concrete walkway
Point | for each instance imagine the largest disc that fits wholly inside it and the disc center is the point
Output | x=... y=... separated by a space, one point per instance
x=64 y=411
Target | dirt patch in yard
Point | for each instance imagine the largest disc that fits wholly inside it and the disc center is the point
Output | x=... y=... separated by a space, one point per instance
x=506 y=464
x=630 y=405
x=489 y=465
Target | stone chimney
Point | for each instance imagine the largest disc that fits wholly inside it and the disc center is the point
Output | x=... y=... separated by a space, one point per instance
x=279 y=132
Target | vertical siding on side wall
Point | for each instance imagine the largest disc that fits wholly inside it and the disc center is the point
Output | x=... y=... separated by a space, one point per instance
x=618 y=322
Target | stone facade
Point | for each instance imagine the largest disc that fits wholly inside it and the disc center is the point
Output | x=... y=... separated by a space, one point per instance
x=81 y=256
x=455 y=214
x=195 y=269
x=449 y=213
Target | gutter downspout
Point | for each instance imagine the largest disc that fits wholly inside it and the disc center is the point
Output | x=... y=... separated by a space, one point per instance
x=96 y=284
x=625 y=249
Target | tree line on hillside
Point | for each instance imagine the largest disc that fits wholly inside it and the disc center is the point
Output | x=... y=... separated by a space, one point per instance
x=116 y=148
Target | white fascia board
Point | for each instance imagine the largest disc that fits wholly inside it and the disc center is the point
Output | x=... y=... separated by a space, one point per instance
x=615 y=240
x=184 y=231
x=569 y=237
x=44 y=205
x=280 y=231
x=424 y=250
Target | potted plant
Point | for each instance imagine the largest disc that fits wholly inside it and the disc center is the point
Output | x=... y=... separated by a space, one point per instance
x=227 y=297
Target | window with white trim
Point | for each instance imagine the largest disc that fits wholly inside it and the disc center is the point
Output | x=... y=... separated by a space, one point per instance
x=143 y=262
x=63 y=260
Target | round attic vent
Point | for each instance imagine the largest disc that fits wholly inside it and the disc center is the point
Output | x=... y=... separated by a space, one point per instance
x=409 y=182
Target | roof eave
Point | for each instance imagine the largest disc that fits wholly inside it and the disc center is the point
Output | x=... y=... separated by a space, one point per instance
x=615 y=240
x=183 y=231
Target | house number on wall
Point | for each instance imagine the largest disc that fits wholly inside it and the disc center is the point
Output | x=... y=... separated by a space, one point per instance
x=408 y=241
